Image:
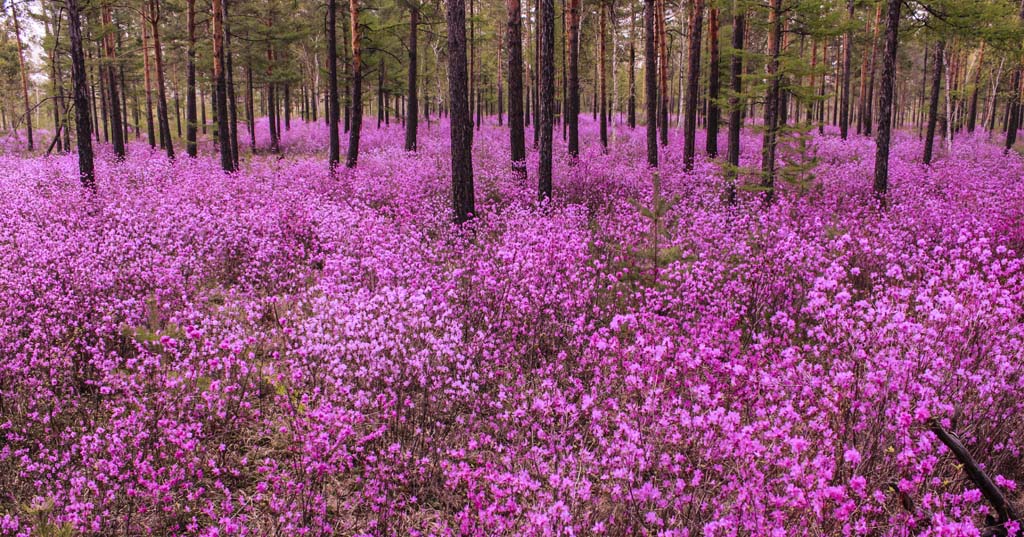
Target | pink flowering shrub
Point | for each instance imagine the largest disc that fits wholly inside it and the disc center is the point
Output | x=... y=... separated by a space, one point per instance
x=280 y=352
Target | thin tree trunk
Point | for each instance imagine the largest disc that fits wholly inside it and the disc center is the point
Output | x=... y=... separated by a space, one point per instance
x=692 y=85
x=844 y=105
x=113 y=99
x=412 y=119
x=332 y=85
x=230 y=86
x=631 y=106
x=573 y=30
x=161 y=108
x=771 y=104
x=869 y=104
x=227 y=162
x=711 y=144
x=972 y=112
x=190 y=76
x=650 y=83
x=250 y=107
x=357 y=86
x=24 y=79
x=662 y=71
x=601 y=76
x=735 y=103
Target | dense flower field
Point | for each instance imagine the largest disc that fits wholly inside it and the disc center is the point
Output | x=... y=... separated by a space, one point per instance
x=280 y=352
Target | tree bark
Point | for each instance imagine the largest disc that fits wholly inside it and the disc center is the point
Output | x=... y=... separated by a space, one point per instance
x=190 y=91
x=972 y=111
x=711 y=145
x=692 y=85
x=572 y=118
x=413 y=113
x=357 y=87
x=844 y=104
x=601 y=77
x=546 y=102
x=517 y=135
x=24 y=79
x=933 y=103
x=461 y=118
x=334 y=152
x=771 y=104
x=735 y=102
x=80 y=94
x=869 y=104
x=161 y=108
x=650 y=83
x=662 y=70
x=227 y=162
x=631 y=106
x=113 y=99
x=882 y=138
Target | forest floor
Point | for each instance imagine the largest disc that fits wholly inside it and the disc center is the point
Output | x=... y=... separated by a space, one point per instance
x=278 y=351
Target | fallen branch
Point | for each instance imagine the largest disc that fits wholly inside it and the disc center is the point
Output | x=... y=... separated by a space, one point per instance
x=976 y=474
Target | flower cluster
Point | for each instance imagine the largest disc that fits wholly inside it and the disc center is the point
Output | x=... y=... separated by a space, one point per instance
x=284 y=351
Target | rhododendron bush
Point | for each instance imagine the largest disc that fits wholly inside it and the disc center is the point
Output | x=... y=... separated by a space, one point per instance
x=282 y=352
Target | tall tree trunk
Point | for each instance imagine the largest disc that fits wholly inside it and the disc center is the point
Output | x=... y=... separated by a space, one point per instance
x=227 y=162
x=631 y=106
x=972 y=111
x=24 y=78
x=650 y=83
x=113 y=99
x=461 y=117
x=870 y=102
x=161 y=108
x=413 y=114
x=771 y=104
x=546 y=102
x=80 y=94
x=735 y=102
x=662 y=70
x=692 y=85
x=250 y=106
x=933 y=103
x=1013 y=106
x=844 y=104
x=357 y=85
x=517 y=135
x=711 y=145
x=381 y=103
x=892 y=27
x=230 y=87
x=332 y=85
x=601 y=77
x=190 y=76
x=573 y=29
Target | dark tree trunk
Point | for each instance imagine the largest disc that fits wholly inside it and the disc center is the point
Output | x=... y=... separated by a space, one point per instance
x=250 y=106
x=230 y=82
x=771 y=100
x=546 y=102
x=517 y=135
x=1013 y=106
x=573 y=120
x=972 y=111
x=357 y=87
x=662 y=70
x=869 y=104
x=735 y=103
x=461 y=118
x=413 y=113
x=332 y=84
x=692 y=85
x=227 y=162
x=892 y=27
x=113 y=99
x=844 y=105
x=650 y=83
x=601 y=78
x=80 y=95
x=711 y=144
x=933 y=102
x=161 y=104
